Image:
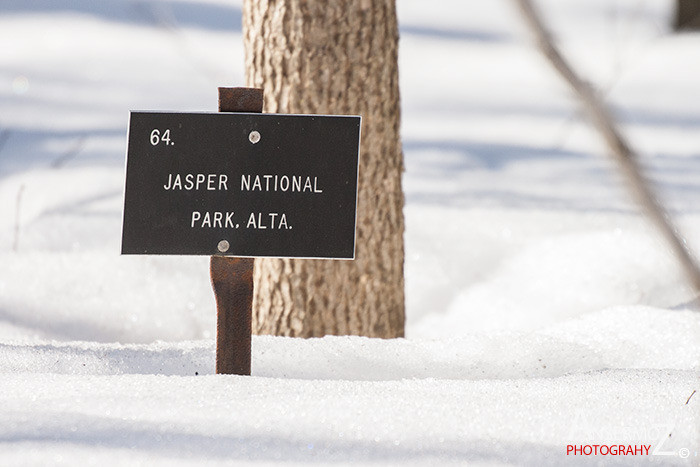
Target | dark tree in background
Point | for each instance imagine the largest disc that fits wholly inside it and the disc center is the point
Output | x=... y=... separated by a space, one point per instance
x=687 y=14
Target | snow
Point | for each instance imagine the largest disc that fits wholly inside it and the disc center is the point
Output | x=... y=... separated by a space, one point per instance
x=162 y=420
x=542 y=309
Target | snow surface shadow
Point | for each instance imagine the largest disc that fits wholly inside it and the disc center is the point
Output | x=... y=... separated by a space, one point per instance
x=486 y=155
x=645 y=117
x=77 y=429
x=62 y=328
x=445 y=161
x=83 y=207
x=25 y=150
x=330 y=358
x=141 y=12
x=447 y=166
x=109 y=359
x=453 y=34
x=676 y=179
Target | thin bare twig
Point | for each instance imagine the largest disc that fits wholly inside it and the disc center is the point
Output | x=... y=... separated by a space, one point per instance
x=70 y=153
x=690 y=396
x=621 y=150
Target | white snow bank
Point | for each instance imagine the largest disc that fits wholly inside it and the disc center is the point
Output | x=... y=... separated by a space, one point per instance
x=554 y=316
x=96 y=296
x=618 y=376
x=210 y=420
x=617 y=338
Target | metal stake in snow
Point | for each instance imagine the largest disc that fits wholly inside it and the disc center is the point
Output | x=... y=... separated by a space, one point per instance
x=232 y=278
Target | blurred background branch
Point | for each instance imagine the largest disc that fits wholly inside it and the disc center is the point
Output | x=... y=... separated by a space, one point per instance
x=621 y=150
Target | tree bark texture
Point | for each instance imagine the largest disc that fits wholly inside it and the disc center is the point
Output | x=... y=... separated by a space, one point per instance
x=687 y=14
x=335 y=57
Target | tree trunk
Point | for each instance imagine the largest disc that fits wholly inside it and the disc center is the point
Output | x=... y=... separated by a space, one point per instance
x=337 y=57
x=687 y=14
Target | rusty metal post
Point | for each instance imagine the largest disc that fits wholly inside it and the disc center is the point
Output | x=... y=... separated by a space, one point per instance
x=232 y=278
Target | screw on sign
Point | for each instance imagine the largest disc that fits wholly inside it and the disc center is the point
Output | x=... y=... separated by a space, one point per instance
x=237 y=185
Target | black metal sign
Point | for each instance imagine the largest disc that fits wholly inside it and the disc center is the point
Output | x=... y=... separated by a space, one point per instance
x=241 y=184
